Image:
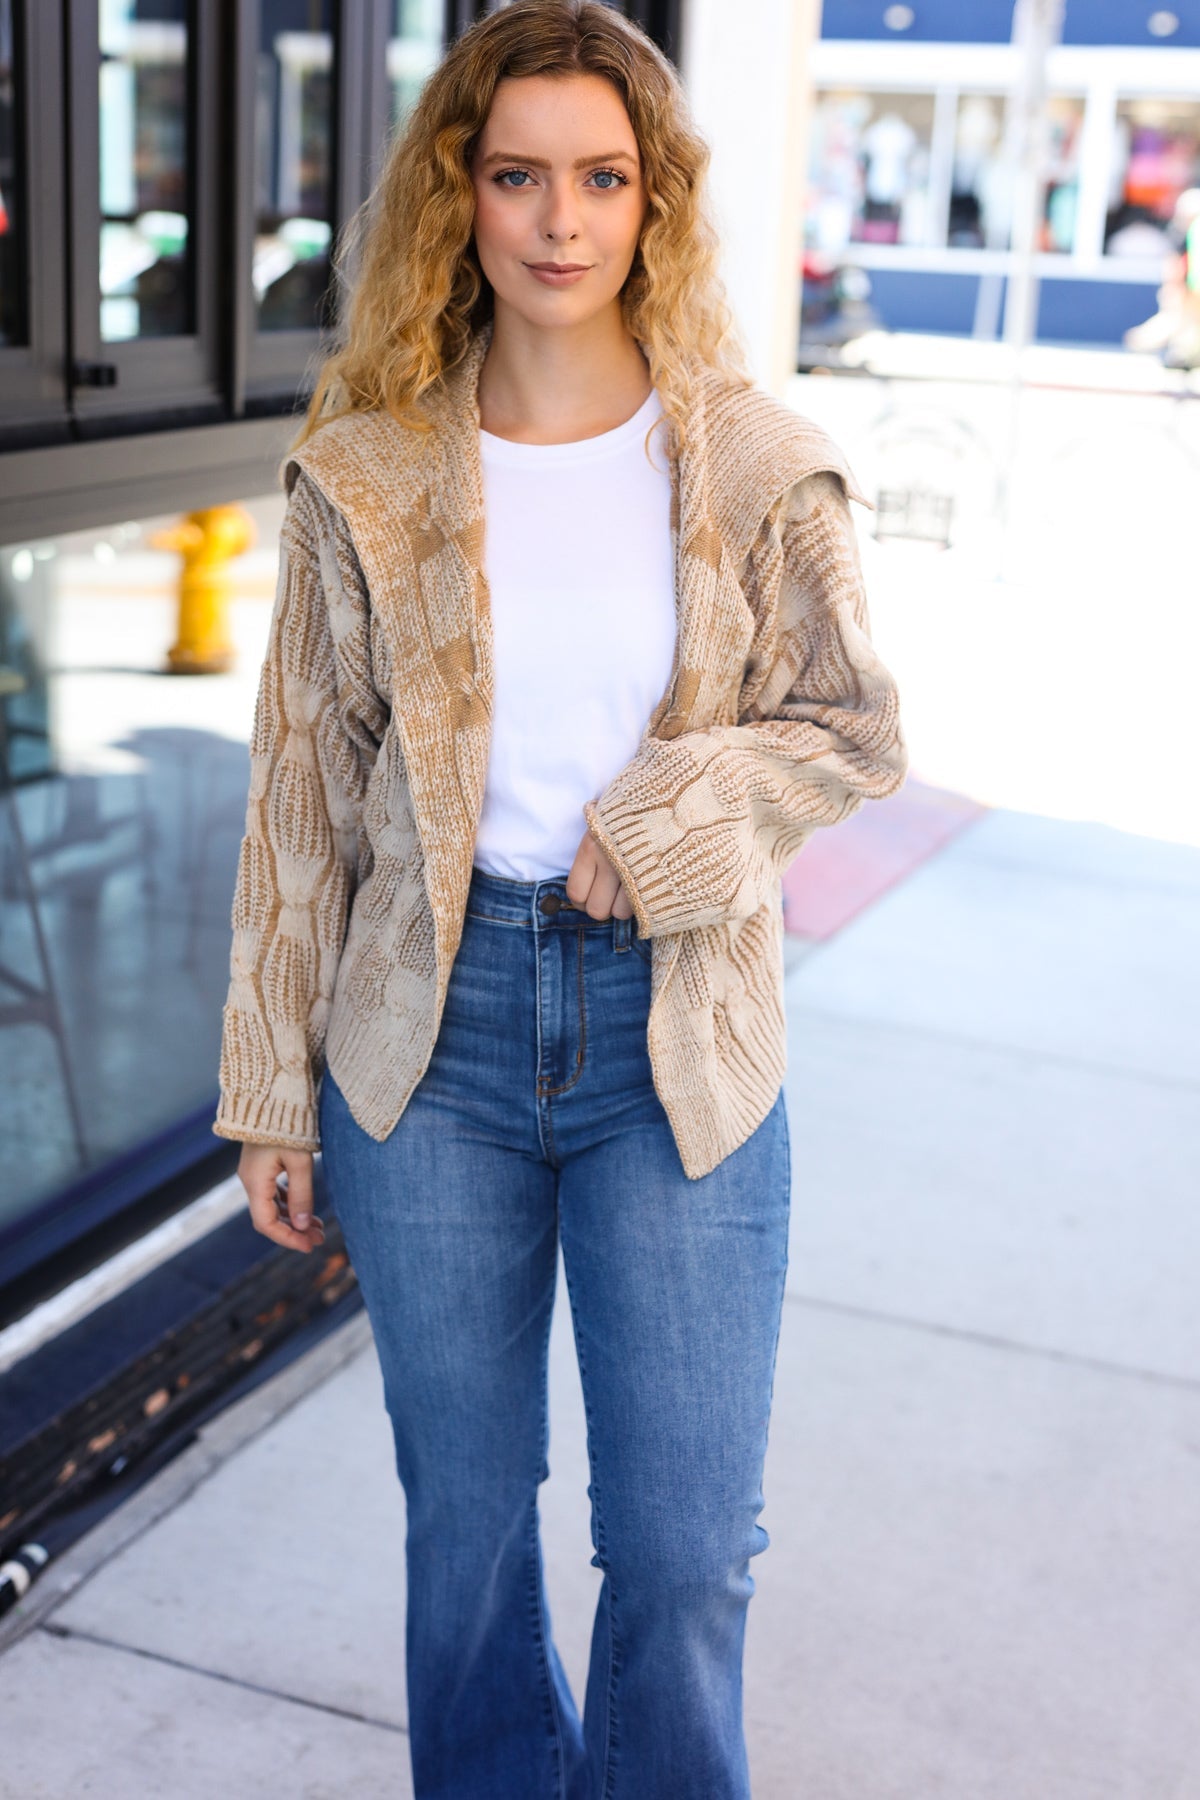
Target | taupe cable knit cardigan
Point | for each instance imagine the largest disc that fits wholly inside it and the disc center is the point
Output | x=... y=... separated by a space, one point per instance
x=370 y=745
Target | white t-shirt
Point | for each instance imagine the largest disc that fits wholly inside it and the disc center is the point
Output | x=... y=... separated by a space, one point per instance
x=578 y=559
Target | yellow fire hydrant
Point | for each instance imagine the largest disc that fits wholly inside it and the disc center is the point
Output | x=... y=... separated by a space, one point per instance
x=206 y=541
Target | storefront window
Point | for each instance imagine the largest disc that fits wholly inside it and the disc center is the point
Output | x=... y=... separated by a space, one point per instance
x=981 y=182
x=122 y=802
x=980 y=189
x=414 y=52
x=12 y=286
x=295 y=163
x=870 y=168
x=1156 y=159
x=1064 y=137
x=877 y=163
x=145 y=279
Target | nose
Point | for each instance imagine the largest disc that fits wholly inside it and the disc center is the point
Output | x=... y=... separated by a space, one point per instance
x=561 y=219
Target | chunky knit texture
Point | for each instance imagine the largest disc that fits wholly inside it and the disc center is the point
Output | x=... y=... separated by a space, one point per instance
x=370 y=743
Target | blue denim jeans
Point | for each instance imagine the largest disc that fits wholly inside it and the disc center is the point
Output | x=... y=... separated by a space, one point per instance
x=537 y=1120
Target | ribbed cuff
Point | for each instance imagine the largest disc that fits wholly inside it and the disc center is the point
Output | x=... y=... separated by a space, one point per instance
x=621 y=833
x=267 y=1121
x=624 y=868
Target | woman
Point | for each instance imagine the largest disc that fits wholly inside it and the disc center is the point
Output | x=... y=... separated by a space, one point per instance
x=508 y=925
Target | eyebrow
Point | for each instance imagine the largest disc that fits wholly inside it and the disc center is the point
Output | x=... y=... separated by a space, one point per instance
x=539 y=162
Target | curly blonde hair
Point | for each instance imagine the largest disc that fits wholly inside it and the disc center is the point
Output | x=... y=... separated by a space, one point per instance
x=418 y=294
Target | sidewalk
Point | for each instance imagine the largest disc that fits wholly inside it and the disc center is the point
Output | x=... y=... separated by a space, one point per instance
x=983 y=1482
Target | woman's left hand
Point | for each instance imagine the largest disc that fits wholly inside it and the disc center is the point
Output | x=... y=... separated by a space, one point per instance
x=594 y=884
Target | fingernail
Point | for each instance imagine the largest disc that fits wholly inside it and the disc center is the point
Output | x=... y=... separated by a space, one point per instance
x=300 y=1220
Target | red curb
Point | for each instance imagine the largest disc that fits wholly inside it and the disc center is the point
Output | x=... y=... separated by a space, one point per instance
x=844 y=868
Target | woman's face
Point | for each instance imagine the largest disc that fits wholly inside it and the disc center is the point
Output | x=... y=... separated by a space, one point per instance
x=558 y=180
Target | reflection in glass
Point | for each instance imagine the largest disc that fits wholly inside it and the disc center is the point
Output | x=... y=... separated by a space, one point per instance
x=981 y=188
x=876 y=161
x=294 y=209
x=869 y=169
x=122 y=802
x=12 y=285
x=413 y=53
x=1064 y=139
x=1156 y=160
x=145 y=277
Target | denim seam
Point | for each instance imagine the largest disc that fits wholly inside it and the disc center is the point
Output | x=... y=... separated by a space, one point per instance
x=522 y=881
x=545 y=1126
x=581 y=1053
x=596 y=925
x=780 y=1297
x=608 y=1768
x=522 y=924
x=608 y=1764
x=537 y=1595
x=782 y=1285
x=548 y=1116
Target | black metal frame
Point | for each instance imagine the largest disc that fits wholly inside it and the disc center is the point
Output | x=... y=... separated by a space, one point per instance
x=173 y=378
x=33 y=375
x=187 y=420
x=155 y=391
x=269 y=367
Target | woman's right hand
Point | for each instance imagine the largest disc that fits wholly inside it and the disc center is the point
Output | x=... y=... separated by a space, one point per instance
x=278 y=1211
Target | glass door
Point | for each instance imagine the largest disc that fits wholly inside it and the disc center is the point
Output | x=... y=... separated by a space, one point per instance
x=143 y=204
x=288 y=198
x=294 y=161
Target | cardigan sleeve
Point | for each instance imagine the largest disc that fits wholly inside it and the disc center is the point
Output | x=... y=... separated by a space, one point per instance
x=317 y=725
x=701 y=826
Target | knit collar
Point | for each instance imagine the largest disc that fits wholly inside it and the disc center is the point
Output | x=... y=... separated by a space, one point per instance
x=699 y=552
x=763 y=447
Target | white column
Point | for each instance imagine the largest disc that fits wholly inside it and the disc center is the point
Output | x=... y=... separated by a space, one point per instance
x=745 y=66
x=1037 y=27
x=1095 y=168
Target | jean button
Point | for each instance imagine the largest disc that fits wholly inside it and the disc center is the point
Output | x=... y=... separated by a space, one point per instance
x=549 y=903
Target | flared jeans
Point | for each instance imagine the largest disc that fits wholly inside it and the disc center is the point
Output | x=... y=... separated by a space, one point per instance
x=536 y=1122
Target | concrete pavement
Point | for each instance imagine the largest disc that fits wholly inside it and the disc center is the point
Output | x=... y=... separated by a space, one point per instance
x=983 y=1481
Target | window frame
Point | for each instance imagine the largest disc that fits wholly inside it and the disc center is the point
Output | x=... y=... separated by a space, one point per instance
x=33 y=394
x=1099 y=77
x=226 y=375
x=175 y=379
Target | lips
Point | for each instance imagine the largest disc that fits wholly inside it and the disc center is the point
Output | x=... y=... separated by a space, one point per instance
x=560 y=268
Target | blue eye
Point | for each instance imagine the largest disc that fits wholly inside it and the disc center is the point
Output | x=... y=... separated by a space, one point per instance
x=617 y=179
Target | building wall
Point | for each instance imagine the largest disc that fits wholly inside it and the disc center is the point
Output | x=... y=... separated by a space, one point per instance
x=757 y=172
x=909 y=173
x=990 y=21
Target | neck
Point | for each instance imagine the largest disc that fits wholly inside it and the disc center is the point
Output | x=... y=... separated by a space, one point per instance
x=540 y=386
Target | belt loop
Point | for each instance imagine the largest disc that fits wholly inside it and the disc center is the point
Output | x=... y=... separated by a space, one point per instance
x=621 y=934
